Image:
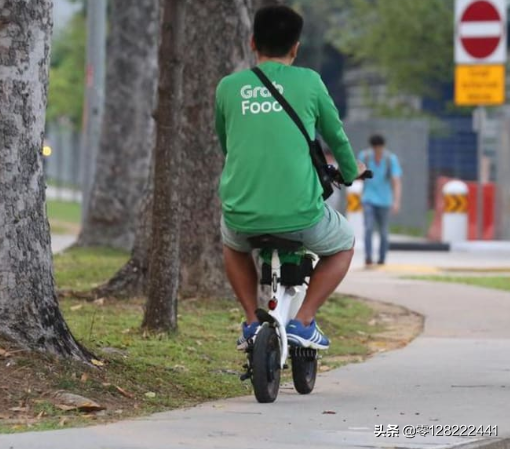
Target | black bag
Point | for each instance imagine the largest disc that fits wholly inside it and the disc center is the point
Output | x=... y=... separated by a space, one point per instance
x=290 y=273
x=316 y=153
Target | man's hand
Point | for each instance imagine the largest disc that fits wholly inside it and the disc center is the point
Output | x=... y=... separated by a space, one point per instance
x=395 y=209
x=362 y=168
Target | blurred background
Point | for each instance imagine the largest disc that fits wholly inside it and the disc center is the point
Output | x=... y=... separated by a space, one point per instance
x=389 y=66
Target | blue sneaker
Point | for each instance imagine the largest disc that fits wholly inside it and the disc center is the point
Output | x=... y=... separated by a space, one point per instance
x=306 y=336
x=248 y=336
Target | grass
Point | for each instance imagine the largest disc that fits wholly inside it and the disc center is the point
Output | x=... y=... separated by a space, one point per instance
x=64 y=216
x=414 y=231
x=67 y=211
x=147 y=373
x=407 y=230
x=496 y=282
x=85 y=268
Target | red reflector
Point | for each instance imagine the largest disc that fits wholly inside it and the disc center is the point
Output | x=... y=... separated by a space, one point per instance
x=272 y=304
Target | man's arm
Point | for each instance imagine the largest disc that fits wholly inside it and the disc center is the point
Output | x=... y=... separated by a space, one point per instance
x=396 y=184
x=220 y=123
x=331 y=128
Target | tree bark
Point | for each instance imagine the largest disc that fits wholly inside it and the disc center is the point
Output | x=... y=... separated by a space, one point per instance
x=161 y=308
x=127 y=132
x=206 y=61
x=229 y=21
x=29 y=313
x=131 y=280
x=257 y=4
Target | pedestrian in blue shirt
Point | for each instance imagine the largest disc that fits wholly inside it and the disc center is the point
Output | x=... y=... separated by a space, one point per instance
x=381 y=195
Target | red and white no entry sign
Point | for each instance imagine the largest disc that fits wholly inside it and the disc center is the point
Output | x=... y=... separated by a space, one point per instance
x=480 y=31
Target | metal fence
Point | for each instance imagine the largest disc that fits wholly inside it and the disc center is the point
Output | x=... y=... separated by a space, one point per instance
x=62 y=166
x=453 y=149
x=428 y=149
x=502 y=176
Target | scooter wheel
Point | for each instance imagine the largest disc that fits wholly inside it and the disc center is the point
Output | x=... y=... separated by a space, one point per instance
x=266 y=364
x=304 y=369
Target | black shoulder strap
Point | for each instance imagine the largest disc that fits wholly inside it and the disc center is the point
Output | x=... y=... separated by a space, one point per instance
x=389 y=165
x=283 y=102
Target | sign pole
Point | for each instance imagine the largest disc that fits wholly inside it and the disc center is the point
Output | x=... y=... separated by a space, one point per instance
x=480 y=39
x=480 y=124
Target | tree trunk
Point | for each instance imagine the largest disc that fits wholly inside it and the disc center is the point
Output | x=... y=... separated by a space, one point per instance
x=127 y=132
x=131 y=280
x=257 y=4
x=161 y=308
x=206 y=62
x=29 y=313
x=229 y=21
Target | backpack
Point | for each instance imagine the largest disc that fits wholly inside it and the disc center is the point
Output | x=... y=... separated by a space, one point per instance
x=364 y=157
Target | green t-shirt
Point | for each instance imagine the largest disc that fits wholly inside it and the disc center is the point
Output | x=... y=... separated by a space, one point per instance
x=269 y=184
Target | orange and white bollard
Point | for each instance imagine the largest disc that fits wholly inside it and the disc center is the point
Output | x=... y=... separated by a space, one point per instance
x=355 y=209
x=455 y=212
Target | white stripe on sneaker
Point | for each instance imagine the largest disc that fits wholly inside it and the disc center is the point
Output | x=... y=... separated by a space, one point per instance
x=318 y=337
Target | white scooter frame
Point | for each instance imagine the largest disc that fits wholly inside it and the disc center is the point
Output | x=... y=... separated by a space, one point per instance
x=286 y=302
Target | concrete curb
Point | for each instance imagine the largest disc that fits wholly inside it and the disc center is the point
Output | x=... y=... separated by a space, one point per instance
x=419 y=246
x=498 y=246
x=461 y=247
x=477 y=269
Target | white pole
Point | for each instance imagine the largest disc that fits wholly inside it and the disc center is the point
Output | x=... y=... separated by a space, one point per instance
x=455 y=217
x=94 y=94
x=355 y=210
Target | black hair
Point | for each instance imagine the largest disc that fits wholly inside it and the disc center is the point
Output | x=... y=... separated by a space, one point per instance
x=276 y=30
x=376 y=140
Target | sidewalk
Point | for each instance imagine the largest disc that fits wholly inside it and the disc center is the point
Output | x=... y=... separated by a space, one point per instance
x=63 y=194
x=61 y=242
x=456 y=373
x=427 y=262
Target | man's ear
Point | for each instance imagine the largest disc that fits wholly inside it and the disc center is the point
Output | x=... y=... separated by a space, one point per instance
x=294 y=50
x=252 y=43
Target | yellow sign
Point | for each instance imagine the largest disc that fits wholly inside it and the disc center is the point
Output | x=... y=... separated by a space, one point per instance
x=455 y=204
x=46 y=150
x=353 y=202
x=479 y=85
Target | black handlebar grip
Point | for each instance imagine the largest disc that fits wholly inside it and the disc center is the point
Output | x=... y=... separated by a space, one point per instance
x=335 y=174
x=367 y=174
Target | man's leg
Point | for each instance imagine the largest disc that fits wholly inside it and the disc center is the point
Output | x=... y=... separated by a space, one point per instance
x=333 y=240
x=368 y=216
x=242 y=274
x=382 y=218
x=326 y=277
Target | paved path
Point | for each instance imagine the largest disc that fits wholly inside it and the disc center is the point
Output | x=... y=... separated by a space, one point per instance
x=63 y=194
x=59 y=243
x=456 y=373
x=474 y=255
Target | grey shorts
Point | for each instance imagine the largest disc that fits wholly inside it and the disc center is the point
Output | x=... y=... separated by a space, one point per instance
x=330 y=236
